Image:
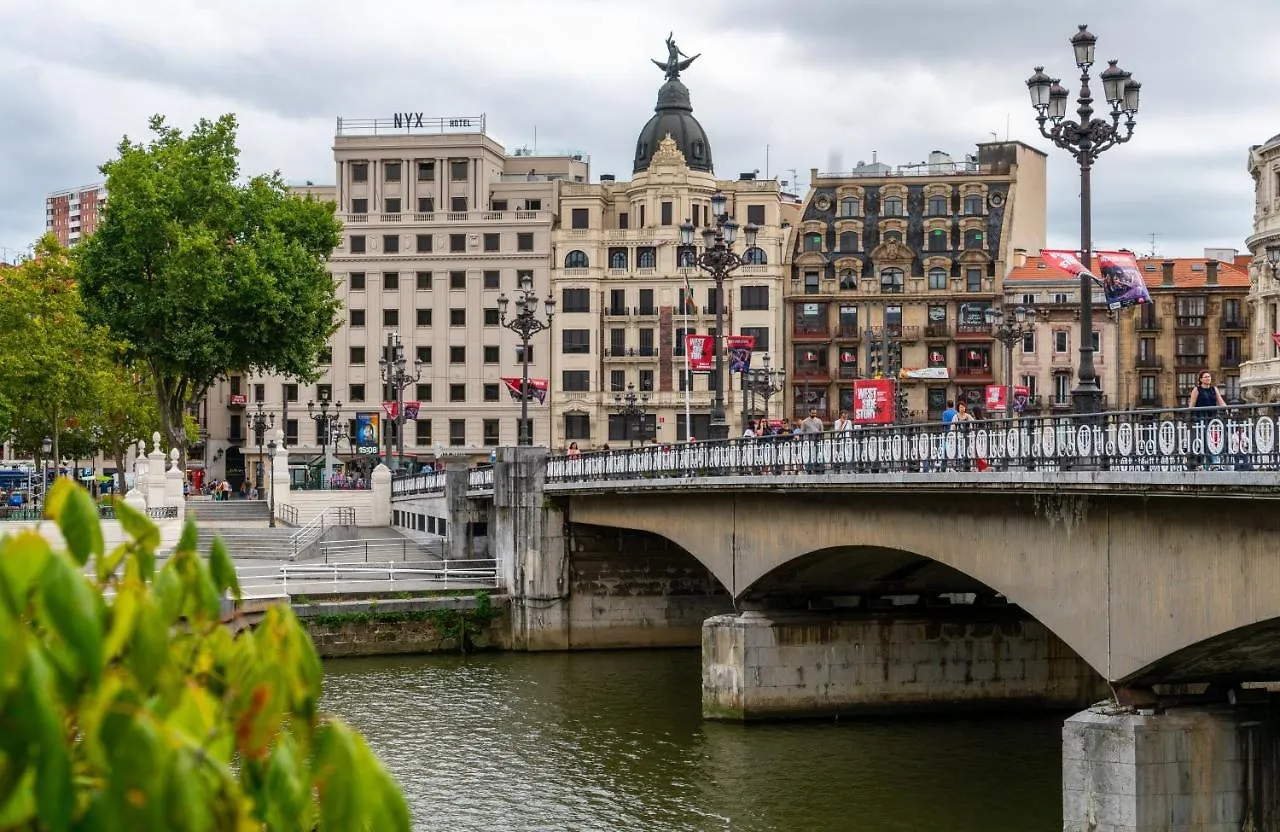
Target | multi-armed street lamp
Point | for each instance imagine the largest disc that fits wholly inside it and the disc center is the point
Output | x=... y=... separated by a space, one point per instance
x=526 y=324
x=632 y=408
x=719 y=259
x=260 y=422
x=1085 y=139
x=327 y=429
x=397 y=374
x=764 y=382
x=1009 y=332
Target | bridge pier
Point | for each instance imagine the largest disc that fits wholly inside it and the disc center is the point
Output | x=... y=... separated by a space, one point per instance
x=785 y=665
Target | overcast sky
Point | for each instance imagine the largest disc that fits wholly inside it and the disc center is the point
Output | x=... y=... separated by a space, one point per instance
x=818 y=83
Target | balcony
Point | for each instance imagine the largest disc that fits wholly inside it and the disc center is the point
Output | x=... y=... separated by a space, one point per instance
x=1149 y=401
x=618 y=312
x=982 y=330
x=937 y=332
x=1233 y=322
x=645 y=311
x=1148 y=324
x=1231 y=361
x=711 y=310
x=631 y=352
x=1190 y=322
x=895 y=333
x=848 y=332
x=1190 y=360
x=237 y=401
x=811 y=374
x=973 y=373
x=846 y=372
x=468 y=217
x=1150 y=362
x=812 y=331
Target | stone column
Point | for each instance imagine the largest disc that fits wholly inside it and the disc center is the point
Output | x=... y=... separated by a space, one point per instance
x=527 y=535
x=457 y=480
x=280 y=473
x=155 y=473
x=173 y=485
x=137 y=496
x=380 y=486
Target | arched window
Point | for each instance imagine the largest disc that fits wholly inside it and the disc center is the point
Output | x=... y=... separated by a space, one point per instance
x=892 y=207
x=973 y=238
x=850 y=206
x=893 y=236
x=848 y=241
x=973 y=204
x=755 y=256
x=937 y=278
x=646 y=259
x=813 y=241
x=576 y=259
x=687 y=257
x=848 y=279
x=891 y=281
x=618 y=260
x=938 y=239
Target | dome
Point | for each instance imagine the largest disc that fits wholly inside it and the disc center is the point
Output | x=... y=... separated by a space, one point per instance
x=673 y=116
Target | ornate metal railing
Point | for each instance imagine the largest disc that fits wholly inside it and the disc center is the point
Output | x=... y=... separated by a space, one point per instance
x=17 y=513
x=429 y=482
x=1221 y=439
x=163 y=512
x=480 y=477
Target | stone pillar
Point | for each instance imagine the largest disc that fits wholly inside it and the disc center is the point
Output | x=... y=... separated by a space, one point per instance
x=783 y=665
x=137 y=496
x=1204 y=768
x=280 y=473
x=173 y=485
x=527 y=535
x=380 y=486
x=155 y=474
x=457 y=480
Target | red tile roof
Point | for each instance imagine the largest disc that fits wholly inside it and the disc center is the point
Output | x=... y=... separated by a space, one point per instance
x=1188 y=272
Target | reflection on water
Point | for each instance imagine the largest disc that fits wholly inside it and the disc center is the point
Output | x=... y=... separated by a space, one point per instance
x=615 y=741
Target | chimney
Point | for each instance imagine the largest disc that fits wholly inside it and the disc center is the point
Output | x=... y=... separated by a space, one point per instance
x=1211 y=272
x=1019 y=257
x=1167 y=280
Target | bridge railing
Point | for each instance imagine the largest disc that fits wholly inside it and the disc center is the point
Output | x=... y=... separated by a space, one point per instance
x=358 y=578
x=480 y=477
x=1221 y=439
x=429 y=482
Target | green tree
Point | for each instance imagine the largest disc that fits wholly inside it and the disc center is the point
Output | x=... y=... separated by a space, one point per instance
x=201 y=272
x=126 y=703
x=125 y=411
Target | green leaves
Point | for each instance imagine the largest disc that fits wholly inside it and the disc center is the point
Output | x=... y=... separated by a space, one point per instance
x=77 y=518
x=69 y=607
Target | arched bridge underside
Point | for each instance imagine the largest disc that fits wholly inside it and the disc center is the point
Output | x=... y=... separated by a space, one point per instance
x=1146 y=589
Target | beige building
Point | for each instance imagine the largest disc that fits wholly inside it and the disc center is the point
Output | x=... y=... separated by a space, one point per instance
x=894 y=269
x=622 y=281
x=439 y=221
x=1260 y=378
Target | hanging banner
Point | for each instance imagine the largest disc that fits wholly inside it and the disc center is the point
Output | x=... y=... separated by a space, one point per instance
x=411 y=409
x=537 y=389
x=931 y=373
x=367 y=432
x=391 y=409
x=740 y=347
x=699 y=349
x=873 y=402
x=997 y=398
x=1275 y=339
x=1121 y=281
x=1021 y=398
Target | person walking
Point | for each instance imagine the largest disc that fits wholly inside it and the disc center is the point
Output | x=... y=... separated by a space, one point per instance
x=1204 y=400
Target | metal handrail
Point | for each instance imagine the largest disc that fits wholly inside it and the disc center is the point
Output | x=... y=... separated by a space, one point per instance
x=341 y=578
x=288 y=513
x=480 y=477
x=302 y=539
x=425 y=483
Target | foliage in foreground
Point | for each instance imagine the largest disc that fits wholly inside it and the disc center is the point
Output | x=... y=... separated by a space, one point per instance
x=125 y=702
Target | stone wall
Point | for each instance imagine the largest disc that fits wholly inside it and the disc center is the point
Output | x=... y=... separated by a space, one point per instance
x=787 y=665
x=634 y=589
x=416 y=625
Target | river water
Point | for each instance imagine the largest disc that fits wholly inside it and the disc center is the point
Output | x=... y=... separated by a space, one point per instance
x=615 y=741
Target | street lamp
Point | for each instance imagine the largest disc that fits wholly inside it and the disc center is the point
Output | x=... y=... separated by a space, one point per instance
x=1010 y=332
x=259 y=423
x=46 y=448
x=526 y=324
x=327 y=430
x=1085 y=140
x=719 y=259
x=764 y=382
x=397 y=374
x=632 y=410
x=271 y=483
x=1273 y=260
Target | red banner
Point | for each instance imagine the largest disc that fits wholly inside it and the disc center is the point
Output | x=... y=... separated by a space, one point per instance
x=699 y=349
x=997 y=398
x=239 y=398
x=740 y=347
x=391 y=409
x=1275 y=339
x=873 y=401
x=537 y=389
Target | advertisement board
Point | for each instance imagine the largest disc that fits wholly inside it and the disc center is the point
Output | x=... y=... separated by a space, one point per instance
x=368 y=432
x=873 y=401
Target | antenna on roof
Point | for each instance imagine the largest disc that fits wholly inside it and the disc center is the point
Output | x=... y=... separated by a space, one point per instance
x=1152 y=253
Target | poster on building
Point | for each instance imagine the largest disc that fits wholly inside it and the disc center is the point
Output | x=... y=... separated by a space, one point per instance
x=740 y=347
x=699 y=351
x=927 y=373
x=873 y=402
x=997 y=398
x=1121 y=281
x=367 y=432
x=537 y=390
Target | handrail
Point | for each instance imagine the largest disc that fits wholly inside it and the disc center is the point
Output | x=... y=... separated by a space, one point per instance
x=341 y=578
x=315 y=528
x=480 y=477
x=288 y=513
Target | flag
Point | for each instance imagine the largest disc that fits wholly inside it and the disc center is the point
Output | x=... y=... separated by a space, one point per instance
x=740 y=347
x=411 y=410
x=699 y=350
x=391 y=409
x=537 y=389
x=690 y=305
x=1122 y=284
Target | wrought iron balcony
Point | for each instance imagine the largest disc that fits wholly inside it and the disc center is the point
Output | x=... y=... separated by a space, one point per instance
x=937 y=331
x=1150 y=362
x=1148 y=324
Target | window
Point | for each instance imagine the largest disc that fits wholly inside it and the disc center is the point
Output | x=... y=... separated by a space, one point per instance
x=576 y=259
x=492 y=354
x=355 y=393
x=1097 y=341
x=457 y=242
x=423 y=354
x=1146 y=390
x=391 y=281
x=457 y=355
x=458 y=204
x=755 y=298
x=575 y=381
x=357 y=244
x=973 y=280
x=1231 y=312
x=617 y=342
x=810 y=319
x=646 y=342
x=1029 y=382
x=1061 y=341
x=618 y=258
x=520 y=353
x=492 y=279
x=646 y=258
x=753 y=256
x=938 y=206
x=490 y=393
x=1231 y=354
x=646 y=381
x=755 y=214
x=422 y=392
x=646 y=303
x=524 y=241
x=489 y=431
x=575 y=341
x=423 y=281
x=457 y=432
x=458 y=170
x=359 y=171
x=325 y=357
x=577 y=426
x=1231 y=388
x=850 y=206
x=458 y=280
x=811 y=286
x=391 y=317
x=665 y=213
x=761 y=334
x=426 y=171
x=426 y=205
x=848 y=241
x=423 y=317
x=973 y=239
x=355 y=355
x=533 y=205
x=681 y=332
x=579 y=218
x=457 y=392
x=938 y=240
x=1191 y=310
x=937 y=278
x=1029 y=342
x=973 y=360
x=422 y=431
x=492 y=242
x=617 y=381
x=391 y=171
x=423 y=243
x=892 y=207
x=893 y=236
x=355 y=317
x=1190 y=349
x=623 y=220
x=391 y=243
x=290 y=392
x=1061 y=389
x=457 y=317
x=360 y=206
x=259 y=392
x=813 y=241
x=848 y=279
x=391 y=205
x=973 y=204
x=891 y=281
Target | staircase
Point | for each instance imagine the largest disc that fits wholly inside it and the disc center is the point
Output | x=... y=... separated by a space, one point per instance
x=209 y=513
x=249 y=544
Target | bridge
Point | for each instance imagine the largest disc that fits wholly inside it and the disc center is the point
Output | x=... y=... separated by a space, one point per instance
x=1045 y=561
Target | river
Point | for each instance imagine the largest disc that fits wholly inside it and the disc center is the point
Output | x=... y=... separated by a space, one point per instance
x=615 y=742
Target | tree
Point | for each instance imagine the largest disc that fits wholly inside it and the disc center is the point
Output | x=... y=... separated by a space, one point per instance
x=200 y=272
x=126 y=703
x=125 y=411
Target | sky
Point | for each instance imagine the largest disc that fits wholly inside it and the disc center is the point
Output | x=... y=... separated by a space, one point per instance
x=779 y=87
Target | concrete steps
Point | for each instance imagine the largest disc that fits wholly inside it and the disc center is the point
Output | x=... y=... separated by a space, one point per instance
x=249 y=543
x=208 y=512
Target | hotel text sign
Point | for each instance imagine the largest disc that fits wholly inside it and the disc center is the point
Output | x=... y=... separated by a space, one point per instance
x=412 y=121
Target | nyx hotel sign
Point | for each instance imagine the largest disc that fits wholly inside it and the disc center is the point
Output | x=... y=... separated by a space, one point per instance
x=407 y=120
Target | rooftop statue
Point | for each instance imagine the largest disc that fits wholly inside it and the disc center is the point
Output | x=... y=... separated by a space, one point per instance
x=674 y=66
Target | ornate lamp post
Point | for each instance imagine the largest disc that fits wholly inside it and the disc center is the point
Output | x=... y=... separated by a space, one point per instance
x=718 y=259
x=526 y=324
x=271 y=490
x=1085 y=139
x=259 y=422
x=1273 y=260
x=397 y=374
x=764 y=382
x=1010 y=332
x=327 y=430
x=632 y=409
x=46 y=448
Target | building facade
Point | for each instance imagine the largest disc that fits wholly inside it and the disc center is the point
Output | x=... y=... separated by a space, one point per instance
x=893 y=271
x=1260 y=377
x=1197 y=321
x=73 y=214
x=439 y=221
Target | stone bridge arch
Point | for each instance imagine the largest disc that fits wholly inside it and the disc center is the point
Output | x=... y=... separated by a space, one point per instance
x=1127 y=582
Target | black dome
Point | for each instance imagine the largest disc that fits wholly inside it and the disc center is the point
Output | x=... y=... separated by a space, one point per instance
x=674 y=116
